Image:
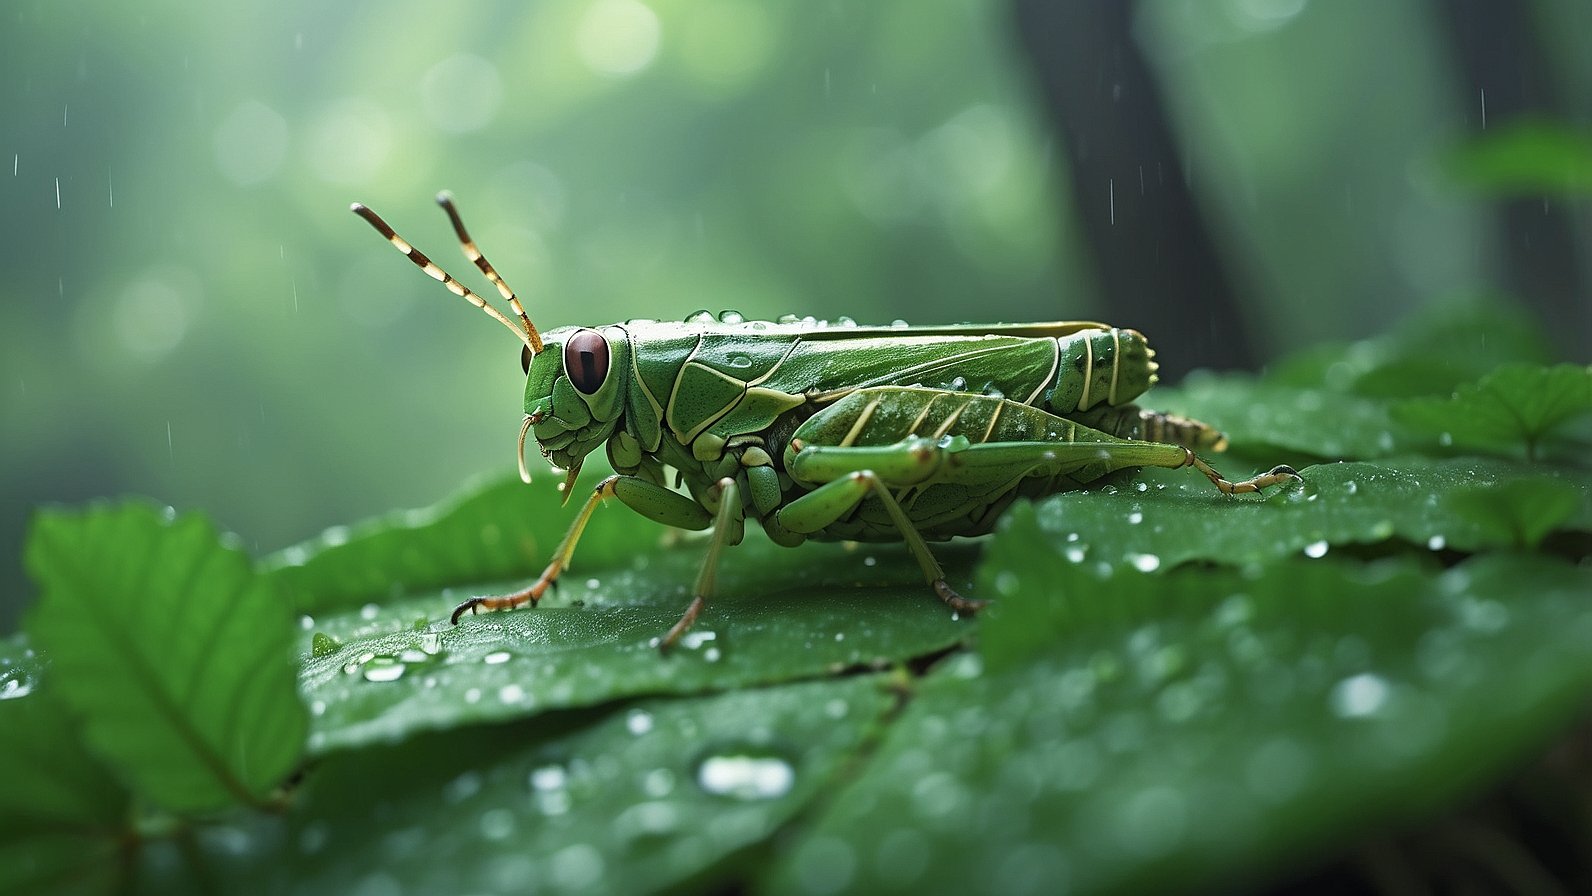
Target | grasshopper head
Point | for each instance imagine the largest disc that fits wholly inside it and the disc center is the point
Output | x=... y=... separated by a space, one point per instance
x=574 y=392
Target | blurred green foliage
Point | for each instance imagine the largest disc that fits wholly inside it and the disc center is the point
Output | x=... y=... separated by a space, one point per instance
x=189 y=312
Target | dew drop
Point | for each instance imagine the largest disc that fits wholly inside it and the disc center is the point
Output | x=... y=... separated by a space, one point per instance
x=384 y=668
x=1436 y=543
x=548 y=777
x=511 y=693
x=462 y=788
x=746 y=775
x=578 y=866
x=497 y=824
x=1076 y=552
x=1359 y=695
x=497 y=657
x=1145 y=562
x=1135 y=518
x=739 y=360
x=431 y=643
x=1316 y=549
x=322 y=644
x=658 y=783
x=638 y=722
x=695 y=640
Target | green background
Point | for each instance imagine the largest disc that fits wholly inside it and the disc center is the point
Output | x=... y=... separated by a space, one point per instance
x=189 y=312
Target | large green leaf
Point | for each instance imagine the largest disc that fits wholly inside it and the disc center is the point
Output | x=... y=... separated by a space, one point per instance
x=1157 y=519
x=495 y=529
x=63 y=818
x=177 y=657
x=646 y=798
x=1138 y=733
x=783 y=614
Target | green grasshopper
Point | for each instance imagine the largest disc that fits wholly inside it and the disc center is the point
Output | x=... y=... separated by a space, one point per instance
x=829 y=431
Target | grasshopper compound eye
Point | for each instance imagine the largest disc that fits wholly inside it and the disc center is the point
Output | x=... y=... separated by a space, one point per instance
x=525 y=359
x=586 y=361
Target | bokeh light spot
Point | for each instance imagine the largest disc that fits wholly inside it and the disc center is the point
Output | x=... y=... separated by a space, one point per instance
x=251 y=143
x=461 y=93
x=349 y=141
x=618 y=37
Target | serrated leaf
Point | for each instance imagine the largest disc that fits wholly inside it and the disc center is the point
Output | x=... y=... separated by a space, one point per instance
x=1517 y=404
x=1158 y=519
x=177 y=657
x=649 y=797
x=63 y=818
x=1187 y=733
x=782 y=614
x=493 y=530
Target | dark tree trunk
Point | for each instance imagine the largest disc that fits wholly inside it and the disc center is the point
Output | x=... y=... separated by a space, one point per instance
x=1155 y=261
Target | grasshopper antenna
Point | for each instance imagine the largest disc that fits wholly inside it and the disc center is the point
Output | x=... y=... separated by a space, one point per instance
x=528 y=335
x=445 y=199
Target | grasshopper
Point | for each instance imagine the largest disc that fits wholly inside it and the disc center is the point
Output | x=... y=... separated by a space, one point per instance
x=829 y=431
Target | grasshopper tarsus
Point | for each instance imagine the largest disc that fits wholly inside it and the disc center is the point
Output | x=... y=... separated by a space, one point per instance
x=957 y=602
x=684 y=625
x=470 y=605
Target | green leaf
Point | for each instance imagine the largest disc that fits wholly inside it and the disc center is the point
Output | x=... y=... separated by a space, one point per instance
x=1186 y=733
x=1529 y=157
x=1159 y=519
x=1431 y=352
x=782 y=614
x=656 y=795
x=493 y=530
x=63 y=818
x=173 y=652
x=1515 y=404
x=1261 y=419
x=1522 y=512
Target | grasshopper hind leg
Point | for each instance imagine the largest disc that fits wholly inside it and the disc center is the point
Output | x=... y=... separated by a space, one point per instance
x=836 y=498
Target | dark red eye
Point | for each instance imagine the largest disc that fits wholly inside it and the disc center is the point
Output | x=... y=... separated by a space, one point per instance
x=586 y=361
x=525 y=359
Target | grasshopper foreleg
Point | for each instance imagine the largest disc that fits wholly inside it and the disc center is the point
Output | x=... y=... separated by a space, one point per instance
x=533 y=592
